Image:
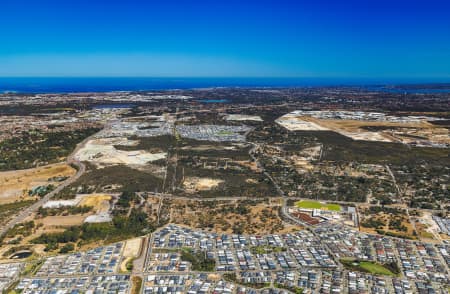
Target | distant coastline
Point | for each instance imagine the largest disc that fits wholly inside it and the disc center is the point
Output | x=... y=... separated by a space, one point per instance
x=30 y=85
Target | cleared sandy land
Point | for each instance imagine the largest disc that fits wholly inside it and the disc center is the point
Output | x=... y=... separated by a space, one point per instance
x=251 y=165
x=132 y=247
x=61 y=221
x=242 y=117
x=293 y=122
x=200 y=184
x=100 y=202
x=102 y=153
x=366 y=136
x=130 y=251
x=62 y=203
x=388 y=131
x=16 y=184
x=354 y=128
x=401 y=132
x=355 y=124
x=101 y=207
x=208 y=147
x=427 y=229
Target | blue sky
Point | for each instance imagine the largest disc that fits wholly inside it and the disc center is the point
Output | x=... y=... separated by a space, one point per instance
x=264 y=38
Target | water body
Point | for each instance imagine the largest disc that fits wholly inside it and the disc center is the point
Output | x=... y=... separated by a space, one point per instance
x=77 y=85
x=21 y=255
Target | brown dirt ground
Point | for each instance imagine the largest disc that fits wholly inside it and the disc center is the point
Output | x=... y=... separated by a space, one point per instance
x=61 y=221
x=130 y=251
x=425 y=129
x=100 y=202
x=15 y=184
x=194 y=184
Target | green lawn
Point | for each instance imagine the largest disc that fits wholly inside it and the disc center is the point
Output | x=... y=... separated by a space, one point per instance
x=317 y=205
x=368 y=267
x=225 y=133
x=374 y=268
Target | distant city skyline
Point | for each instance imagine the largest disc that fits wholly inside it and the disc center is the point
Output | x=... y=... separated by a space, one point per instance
x=266 y=38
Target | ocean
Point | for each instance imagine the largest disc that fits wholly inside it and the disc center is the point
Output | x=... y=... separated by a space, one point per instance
x=97 y=84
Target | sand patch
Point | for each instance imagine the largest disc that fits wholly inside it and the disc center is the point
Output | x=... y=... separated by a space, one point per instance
x=208 y=147
x=130 y=251
x=103 y=153
x=62 y=203
x=193 y=184
x=132 y=247
x=242 y=117
x=368 y=126
x=100 y=202
x=251 y=181
x=293 y=122
x=61 y=221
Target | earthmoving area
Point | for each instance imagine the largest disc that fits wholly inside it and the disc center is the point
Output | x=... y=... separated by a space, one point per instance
x=103 y=153
x=367 y=126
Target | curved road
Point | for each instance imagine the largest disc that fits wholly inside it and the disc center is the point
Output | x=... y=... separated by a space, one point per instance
x=35 y=206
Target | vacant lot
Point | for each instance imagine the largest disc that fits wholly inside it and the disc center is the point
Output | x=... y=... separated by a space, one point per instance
x=99 y=202
x=240 y=216
x=58 y=221
x=364 y=130
x=298 y=123
x=194 y=184
x=16 y=184
x=131 y=251
x=102 y=152
x=390 y=221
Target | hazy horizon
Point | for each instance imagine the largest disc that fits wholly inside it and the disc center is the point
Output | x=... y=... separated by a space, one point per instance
x=111 y=84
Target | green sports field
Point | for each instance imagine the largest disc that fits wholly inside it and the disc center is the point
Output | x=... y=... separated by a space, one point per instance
x=317 y=205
